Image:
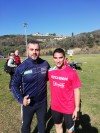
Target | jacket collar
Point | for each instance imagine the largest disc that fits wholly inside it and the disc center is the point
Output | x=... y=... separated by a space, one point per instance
x=34 y=61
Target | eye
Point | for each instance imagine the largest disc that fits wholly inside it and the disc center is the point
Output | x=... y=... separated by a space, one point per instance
x=55 y=57
x=36 y=49
x=58 y=57
x=31 y=49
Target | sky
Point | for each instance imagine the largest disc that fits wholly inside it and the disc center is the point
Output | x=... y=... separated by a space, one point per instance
x=49 y=16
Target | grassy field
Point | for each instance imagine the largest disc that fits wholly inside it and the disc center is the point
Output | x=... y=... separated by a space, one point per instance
x=10 y=116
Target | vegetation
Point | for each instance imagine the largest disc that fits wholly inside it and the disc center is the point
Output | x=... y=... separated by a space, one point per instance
x=10 y=114
x=88 y=43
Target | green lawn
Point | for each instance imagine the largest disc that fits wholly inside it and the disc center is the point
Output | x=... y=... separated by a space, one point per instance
x=10 y=116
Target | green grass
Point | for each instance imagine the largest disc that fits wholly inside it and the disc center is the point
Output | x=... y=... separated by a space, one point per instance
x=10 y=117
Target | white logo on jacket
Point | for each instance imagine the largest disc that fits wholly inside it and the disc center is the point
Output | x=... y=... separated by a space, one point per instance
x=43 y=70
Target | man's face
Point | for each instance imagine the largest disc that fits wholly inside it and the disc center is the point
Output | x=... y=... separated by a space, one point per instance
x=59 y=60
x=33 y=51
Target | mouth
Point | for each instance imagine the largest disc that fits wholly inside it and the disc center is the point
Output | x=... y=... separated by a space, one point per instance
x=58 y=64
x=34 y=57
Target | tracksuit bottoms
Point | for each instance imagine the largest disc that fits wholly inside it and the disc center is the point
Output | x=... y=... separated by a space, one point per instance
x=28 y=113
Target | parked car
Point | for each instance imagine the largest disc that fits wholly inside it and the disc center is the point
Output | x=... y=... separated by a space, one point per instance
x=2 y=56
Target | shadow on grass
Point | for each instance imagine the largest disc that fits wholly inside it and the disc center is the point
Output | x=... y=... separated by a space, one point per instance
x=49 y=122
x=84 y=125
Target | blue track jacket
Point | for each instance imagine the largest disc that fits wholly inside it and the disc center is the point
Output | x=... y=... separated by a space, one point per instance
x=31 y=75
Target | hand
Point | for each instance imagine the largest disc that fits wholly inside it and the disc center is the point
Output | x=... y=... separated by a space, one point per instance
x=26 y=100
x=75 y=115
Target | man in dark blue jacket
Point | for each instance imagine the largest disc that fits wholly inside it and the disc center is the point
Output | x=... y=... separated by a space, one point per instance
x=31 y=75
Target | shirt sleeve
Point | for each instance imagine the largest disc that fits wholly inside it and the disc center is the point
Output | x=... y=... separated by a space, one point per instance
x=76 y=83
x=10 y=63
x=16 y=86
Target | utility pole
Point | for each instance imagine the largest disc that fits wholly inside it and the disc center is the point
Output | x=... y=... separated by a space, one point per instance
x=25 y=30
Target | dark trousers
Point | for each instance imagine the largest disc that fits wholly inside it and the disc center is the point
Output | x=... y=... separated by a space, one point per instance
x=28 y=113
x=11 y=76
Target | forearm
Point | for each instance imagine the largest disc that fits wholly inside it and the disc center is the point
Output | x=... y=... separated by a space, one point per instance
x=16 y=87
x=17 y=94
x=77 y=96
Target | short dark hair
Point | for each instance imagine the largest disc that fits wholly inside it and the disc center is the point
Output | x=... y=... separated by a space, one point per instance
x=33 y=42
x=59 y=50
x=11 y=52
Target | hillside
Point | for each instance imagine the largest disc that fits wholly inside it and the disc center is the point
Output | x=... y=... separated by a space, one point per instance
x=83 y=43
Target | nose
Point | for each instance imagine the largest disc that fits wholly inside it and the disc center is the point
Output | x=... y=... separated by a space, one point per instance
x=58 y=59
x=34 y=51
